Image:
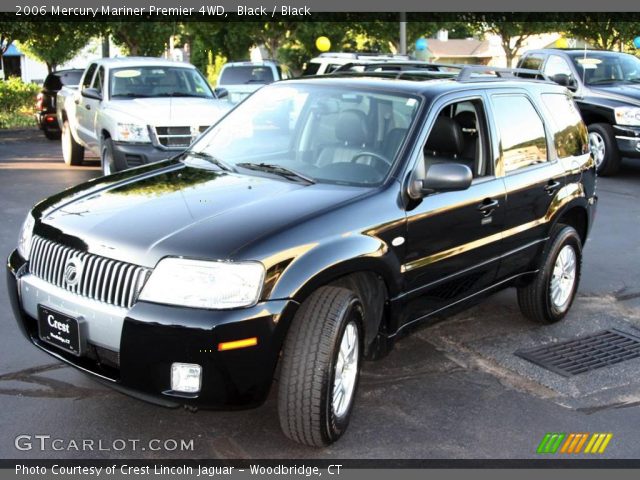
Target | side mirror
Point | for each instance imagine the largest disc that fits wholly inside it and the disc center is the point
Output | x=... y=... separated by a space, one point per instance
x=221 y=92
x=446 y=177
x=91 y=93
x=564 y=80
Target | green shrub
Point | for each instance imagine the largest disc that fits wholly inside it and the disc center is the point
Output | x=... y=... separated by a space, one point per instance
x=17 y=103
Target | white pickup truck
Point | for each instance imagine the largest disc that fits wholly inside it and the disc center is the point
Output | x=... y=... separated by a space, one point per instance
x=135 y=110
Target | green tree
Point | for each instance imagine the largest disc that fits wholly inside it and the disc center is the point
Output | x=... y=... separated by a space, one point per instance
x=146 y=38
x=55 y=43
x=514 y=34
x=607 y=34
x=11 y=31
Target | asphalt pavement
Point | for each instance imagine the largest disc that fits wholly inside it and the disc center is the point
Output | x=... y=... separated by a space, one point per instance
x=453 y=390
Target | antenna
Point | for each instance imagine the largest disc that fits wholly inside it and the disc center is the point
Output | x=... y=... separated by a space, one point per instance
x=584 y=62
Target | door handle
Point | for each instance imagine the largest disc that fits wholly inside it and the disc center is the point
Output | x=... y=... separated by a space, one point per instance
x=88 y=107
x=551 y=187
x=77 y=101
x=488 y=206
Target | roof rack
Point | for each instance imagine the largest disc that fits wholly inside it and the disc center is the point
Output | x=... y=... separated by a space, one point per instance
x=395 y=66
x=467 y=72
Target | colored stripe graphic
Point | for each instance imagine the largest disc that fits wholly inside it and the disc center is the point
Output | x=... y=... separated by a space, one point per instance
x=551 y=442
x=573 y=443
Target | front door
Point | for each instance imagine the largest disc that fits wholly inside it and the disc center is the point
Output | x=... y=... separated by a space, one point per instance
x=453 y=238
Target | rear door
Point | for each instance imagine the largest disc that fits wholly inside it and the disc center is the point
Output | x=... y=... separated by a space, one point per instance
x=82 y=117
x=532 y=175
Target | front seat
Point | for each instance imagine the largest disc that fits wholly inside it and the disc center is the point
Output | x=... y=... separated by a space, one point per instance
x=352 y=131
x=445 y=143
x=471 y=153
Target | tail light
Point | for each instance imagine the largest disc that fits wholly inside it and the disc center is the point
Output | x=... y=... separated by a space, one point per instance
x=39 y=99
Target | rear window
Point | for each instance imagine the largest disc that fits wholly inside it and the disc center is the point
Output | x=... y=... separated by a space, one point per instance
x=241 y=75
x=570 y=133
x=311 y=69
x=55 y=81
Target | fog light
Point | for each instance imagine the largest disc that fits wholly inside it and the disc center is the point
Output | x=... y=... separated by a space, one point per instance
x=186 y=377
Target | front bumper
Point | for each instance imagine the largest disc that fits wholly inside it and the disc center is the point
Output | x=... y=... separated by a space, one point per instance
x=628 y=140
x=128 y=155
x=155 y=336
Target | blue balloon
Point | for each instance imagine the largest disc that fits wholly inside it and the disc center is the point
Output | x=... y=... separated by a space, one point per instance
x=421 y=44
x=636 y=42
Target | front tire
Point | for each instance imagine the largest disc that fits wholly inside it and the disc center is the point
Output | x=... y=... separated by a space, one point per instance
x=72 y=151
x=548 y=298
x=602 y=142
x=320 y=367
x=106 y=157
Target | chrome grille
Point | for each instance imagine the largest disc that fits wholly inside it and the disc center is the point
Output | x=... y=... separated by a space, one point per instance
x=177 y=137
x=102 y=279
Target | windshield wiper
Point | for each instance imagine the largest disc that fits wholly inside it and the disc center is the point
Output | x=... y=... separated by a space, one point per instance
x=129 y=95
x=277 y=170
x=221 y=164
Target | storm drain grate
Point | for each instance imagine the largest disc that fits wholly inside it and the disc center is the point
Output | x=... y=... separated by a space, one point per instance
x=584 y=354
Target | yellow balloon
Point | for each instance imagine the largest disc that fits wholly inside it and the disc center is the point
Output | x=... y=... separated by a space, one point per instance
x=562 y=43
x=323 y=44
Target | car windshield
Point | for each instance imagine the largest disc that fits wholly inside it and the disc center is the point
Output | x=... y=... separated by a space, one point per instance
x=601 y=68
x=240 y=75
x=321 y=133
x=159 y=81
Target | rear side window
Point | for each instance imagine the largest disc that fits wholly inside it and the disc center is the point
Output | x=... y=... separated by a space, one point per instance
x=246 y=75
x=570 y=134
x=86 y=81
x=531 y=62
x=522 y=137
x=311 y=69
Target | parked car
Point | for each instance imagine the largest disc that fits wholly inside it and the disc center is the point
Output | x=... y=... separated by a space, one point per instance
x=136 y=110
x=605 y=88
x=314 y=225
x=329 y=62
x=241 y=79
x=46 y=100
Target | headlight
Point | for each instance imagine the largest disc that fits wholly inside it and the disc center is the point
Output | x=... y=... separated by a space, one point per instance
x=131 y=132
x=24 y=240
x=204 y=284
x=627 y=116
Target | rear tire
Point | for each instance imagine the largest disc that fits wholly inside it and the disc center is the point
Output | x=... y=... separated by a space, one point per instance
x=72 y=151
x=320 y=367
x=602 y=142
x=548 y=298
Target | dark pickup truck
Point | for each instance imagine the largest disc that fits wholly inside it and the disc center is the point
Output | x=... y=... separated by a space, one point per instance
x=606 y=88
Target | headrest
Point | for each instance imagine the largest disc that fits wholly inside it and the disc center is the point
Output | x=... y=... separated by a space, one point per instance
x=352 y=128
x=445 y=137
x=467 y=120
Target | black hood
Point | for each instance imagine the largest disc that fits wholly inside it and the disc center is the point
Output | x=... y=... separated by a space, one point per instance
x=624 y=92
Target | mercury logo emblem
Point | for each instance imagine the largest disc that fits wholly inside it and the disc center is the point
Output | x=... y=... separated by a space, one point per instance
x=73 y=271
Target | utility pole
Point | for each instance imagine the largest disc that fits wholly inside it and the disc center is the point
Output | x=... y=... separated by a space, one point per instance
x=403 y=33
x=105 y=46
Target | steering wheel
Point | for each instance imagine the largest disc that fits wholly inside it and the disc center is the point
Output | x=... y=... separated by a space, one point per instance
x=375 y=156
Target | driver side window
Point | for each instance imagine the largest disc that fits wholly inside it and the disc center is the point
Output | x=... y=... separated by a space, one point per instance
x=459 y=135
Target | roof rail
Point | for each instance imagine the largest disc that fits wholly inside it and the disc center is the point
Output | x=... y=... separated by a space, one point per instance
x=467 y=71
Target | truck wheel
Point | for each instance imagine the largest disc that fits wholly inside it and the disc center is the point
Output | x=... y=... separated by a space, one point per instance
x=72 y=151
x=549 y=296
x=106 y=157
x=602 y=143
x=320 y=367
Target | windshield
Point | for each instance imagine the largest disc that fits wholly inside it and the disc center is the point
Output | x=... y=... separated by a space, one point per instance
x=324 y=133
x=135 y=82
x=600 y=68
x=240 y=75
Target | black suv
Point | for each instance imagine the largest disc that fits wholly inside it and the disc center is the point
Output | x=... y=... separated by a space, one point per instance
x=46 y=100
x=315 y=224
x=606 y=88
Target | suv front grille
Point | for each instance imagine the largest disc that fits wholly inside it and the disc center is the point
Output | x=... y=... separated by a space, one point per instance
x=102 y=279
x=177 y=137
